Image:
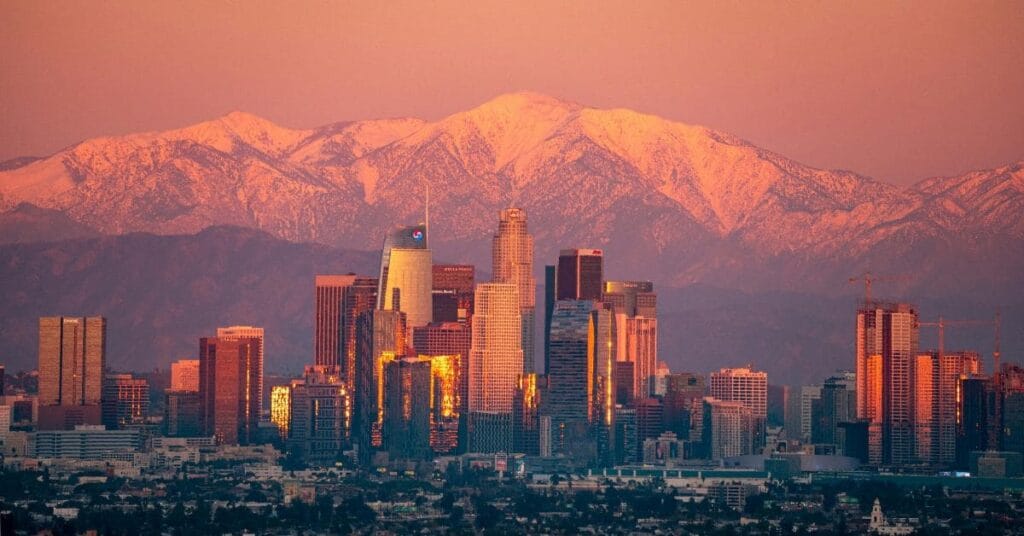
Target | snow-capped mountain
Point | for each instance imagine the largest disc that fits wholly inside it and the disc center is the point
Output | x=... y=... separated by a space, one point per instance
x=704 y=203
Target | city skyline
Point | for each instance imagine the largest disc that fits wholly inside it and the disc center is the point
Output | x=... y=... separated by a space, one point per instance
x=512 y=268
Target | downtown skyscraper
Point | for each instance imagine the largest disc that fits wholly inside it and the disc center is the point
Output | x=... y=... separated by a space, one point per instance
x=580 y=274
x=72 y=356
x=406 y=275
x=512 y=262
x=230 y=379
x=496 y=354
x=886 y=346
x=381 y=336
x=338 y=300
x=634 y=304
x=748 y=387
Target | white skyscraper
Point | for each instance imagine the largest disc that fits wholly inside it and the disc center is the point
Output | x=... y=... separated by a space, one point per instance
x=496 y=355
x=512 y=261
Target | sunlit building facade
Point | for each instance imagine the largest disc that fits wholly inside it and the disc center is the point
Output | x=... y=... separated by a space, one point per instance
x=250 y=333
x=72 y=357
x=229 y=388
x=445 y=401
x=886 y=347
x=338 y=300
x=406 y=275
x=447 y=339
x=512 y=262
x=185 y=375
x=496 y=354
x=281 y=408
x=936 y=381
x=356 y=299
x=381 y=337
x=526 y=415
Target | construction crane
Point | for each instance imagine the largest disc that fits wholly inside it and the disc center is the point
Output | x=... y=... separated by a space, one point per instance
x=942 y=323
x=868 y=278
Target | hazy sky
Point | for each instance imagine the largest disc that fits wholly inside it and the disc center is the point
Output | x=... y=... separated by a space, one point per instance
x=896 y=90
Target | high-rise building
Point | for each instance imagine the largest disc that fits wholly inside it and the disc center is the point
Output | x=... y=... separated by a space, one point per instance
x=839 y=405
x=743 y=385
x=526 y=415
x=1011 y=411
x=936 y=380
x=978 y=416
x=550 y=292
x=229 y=384
x=185 y=375
x=337 y=299
x=728 y=428
x=684 y=395
x=512 y=262
x=250 y=333
x=2 y=380
x=799 y=418
x=182 y=414
x=407 y=408
x=320 y=415
x=496 y=355
x=445 y=402
x=601 y=360
x=406 y=275
x=631 y=298
x=448 y=339
x=72 y=356
x=748 y=387
x=570 y=377
x=625 y=437
x=281 y=408
x=886 y=346
x=381 y=337
x=638 y=344
x=125 y=401
x=650 y=419
x=356 y=298
x=453 y=286
x=778 y=399
x=580 y=274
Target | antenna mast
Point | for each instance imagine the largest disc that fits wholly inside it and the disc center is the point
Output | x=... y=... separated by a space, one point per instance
x=426 y=216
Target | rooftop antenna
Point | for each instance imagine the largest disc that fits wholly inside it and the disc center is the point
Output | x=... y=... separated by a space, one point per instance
x=426 y=216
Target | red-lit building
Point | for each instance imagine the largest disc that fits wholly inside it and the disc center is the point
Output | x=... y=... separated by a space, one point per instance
x=229 y=388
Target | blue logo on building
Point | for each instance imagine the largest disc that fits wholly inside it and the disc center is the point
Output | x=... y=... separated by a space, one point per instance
x=417 y=235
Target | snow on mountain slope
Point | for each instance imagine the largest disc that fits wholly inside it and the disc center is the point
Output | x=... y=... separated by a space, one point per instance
x=632 y=183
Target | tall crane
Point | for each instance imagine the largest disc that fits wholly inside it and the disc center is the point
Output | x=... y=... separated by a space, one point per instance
x=868 y=278
x=942 y=323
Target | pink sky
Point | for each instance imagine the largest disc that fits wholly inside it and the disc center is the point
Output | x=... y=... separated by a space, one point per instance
x=895 y=90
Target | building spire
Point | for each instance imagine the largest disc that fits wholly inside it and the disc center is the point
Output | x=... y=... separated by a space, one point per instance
x=426 y=217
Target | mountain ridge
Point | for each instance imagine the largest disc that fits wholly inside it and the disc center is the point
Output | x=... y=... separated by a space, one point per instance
x=629 y=182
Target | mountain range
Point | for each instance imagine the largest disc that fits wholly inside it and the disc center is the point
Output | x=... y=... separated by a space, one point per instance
x=686 y=206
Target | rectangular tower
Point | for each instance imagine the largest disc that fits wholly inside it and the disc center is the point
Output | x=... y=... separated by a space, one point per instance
x=580 y=273
x=886 y=346
x=72 y=356
x=229 y=383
